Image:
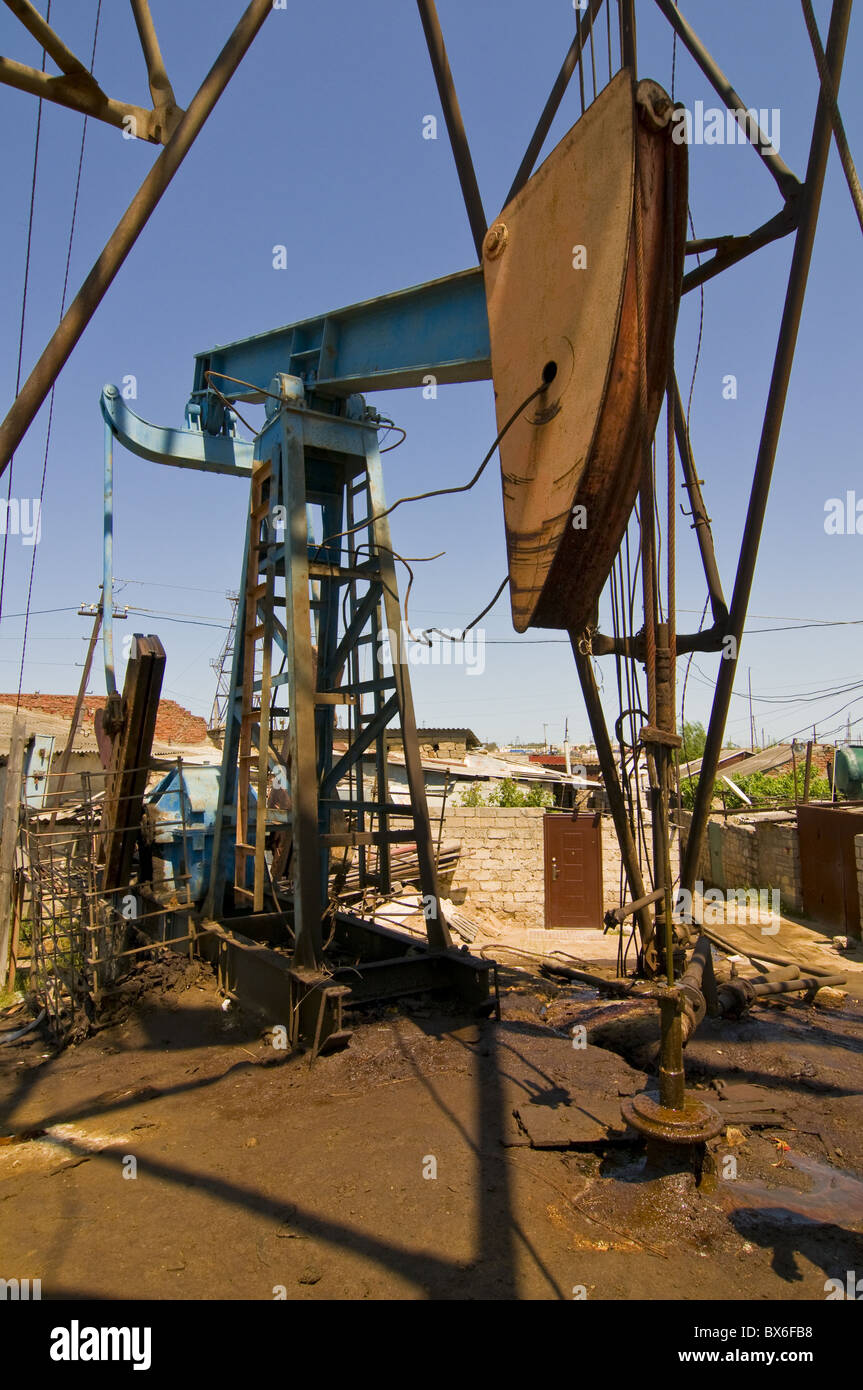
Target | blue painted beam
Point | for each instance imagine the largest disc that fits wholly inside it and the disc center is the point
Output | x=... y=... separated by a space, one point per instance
x=209 y=453
x=439 y=329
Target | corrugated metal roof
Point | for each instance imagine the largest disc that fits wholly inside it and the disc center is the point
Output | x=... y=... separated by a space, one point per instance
x=744 y=762
x=37 y=722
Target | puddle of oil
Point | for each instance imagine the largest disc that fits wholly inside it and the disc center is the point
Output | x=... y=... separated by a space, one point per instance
x=835 y=1196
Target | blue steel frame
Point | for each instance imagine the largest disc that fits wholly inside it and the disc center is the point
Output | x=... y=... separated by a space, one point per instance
x=316 y=460
x=439 y=328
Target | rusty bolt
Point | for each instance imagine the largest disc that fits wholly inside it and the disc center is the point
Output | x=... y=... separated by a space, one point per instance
x=495 y=240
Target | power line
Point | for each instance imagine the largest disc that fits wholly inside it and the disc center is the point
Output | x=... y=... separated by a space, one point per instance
x=36 y=612
x=160 y=584
x=62 y=312
x=24 y=303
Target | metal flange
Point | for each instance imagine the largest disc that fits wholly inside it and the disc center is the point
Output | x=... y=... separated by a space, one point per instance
x=694 y=1124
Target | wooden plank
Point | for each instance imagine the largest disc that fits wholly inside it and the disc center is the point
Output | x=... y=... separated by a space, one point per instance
x=437 y=930
x=308 y=907
x=127 y=779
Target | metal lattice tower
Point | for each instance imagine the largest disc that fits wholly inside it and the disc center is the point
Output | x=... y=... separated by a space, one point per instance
x=221 y=664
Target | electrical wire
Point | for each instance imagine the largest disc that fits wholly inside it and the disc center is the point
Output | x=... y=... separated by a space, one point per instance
x=450 y=637
x=54 y=386
x=442 y=491
x=24 y=305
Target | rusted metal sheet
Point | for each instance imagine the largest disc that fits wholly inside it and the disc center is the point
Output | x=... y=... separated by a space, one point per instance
x=828 y=871
x=561 y=274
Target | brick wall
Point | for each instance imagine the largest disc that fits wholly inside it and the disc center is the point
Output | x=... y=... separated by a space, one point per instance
x=501 y=866
x=858 y=856
x=174 y=724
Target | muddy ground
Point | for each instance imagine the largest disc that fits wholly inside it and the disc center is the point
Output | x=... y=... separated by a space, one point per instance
x=396 y=1168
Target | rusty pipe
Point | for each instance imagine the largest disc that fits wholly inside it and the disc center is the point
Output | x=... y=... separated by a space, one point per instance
x=160 y=87
x=454 y=123
x=810 y=200
x=126 y=233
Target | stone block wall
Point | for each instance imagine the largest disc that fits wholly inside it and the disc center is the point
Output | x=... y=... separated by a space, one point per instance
x=501 y=866
x=611 y=863
x=739 y=855
x=501 y=863
x=779 y=862
x=752 y=853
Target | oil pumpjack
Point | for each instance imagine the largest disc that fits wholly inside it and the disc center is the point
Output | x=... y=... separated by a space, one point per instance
x=571 y=314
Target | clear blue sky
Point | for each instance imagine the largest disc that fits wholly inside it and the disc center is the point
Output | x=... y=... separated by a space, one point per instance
x=317 y=144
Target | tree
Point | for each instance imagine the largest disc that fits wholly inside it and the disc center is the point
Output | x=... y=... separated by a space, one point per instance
x=694 y=740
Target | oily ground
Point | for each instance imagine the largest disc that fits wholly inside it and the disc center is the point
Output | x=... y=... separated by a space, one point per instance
x=176 y=1153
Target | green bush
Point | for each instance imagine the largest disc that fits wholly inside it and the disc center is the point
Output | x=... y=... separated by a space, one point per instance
x=539 y=796
x=508 y=793
x=763 y=789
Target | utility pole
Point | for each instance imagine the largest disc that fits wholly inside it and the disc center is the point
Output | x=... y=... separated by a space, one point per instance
x=545 y=737
x=751 y=719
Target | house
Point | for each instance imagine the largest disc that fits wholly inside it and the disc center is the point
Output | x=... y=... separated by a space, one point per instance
x=447 y=743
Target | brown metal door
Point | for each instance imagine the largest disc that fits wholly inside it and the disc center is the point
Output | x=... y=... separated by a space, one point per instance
x=828 y=872
x=573 y=870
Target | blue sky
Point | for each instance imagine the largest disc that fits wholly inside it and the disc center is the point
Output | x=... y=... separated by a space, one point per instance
x=317 y=145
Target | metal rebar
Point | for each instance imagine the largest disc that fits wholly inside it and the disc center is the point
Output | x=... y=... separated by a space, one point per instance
x=53 y=45
x=838 y=128
x=700 y=519
x=628 y=53
x=621 y=913
x=153 y=946
x=160 y=88
x=765 y=988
